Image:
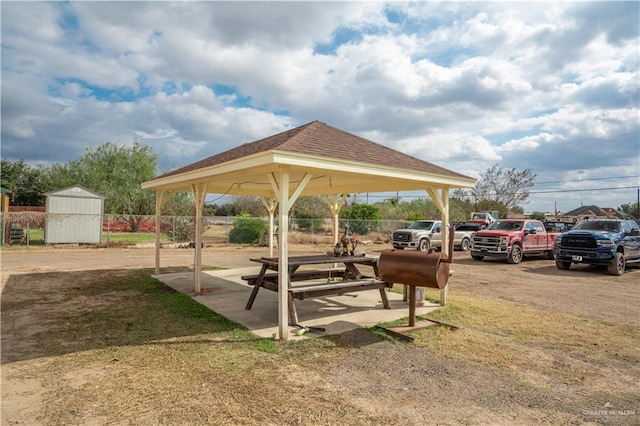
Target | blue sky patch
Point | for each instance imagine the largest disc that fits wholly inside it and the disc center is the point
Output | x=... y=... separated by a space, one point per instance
x=106 y=94
x=395 y=16
x=341 y=36
x=68 y=22
x=231 y=96
x=171 y=87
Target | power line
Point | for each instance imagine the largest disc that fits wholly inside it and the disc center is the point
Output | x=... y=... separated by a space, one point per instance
x=552 y=191
x=584 y=180
x=603 y=138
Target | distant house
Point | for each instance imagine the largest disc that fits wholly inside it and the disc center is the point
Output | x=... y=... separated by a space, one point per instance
x=74 y=215
x=594 y=212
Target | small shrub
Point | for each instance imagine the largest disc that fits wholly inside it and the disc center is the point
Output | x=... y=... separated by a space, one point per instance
x=309 y=225
x=246 y=230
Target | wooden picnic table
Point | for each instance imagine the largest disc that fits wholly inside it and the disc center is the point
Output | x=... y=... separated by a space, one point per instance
x=323 y=281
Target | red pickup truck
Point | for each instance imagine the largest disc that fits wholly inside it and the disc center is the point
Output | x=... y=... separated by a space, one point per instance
x=512 y=239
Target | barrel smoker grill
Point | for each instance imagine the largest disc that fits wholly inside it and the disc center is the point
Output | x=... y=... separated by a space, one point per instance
x=416 y=269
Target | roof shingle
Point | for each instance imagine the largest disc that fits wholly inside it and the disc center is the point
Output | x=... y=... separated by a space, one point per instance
x=320 y=139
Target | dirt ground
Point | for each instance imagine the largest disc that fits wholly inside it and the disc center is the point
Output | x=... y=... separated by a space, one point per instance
x=582 y=290
x=461 y=390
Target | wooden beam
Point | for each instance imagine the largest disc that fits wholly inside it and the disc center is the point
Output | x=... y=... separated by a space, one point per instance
x=335 y=203
x=280 y=185
x=161 y=200
x=199 y=192
x=283 y=255
x=441 y=201
x=270 y=204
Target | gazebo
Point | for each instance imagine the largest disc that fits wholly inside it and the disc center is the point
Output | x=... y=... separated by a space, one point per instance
x=313 y=159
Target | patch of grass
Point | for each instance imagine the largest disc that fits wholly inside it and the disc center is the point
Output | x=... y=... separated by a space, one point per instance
x=36 y=238
x=267 y=345
x=211 y=268
x=122 y=346
x=534 y=343
x=125 y=308
x=131 y=237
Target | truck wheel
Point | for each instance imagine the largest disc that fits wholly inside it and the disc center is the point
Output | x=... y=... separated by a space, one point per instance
x=465 y=245
x=476 y=257
x=424 y=245
x=550 y=255
x=515 y=255
x=616 y=267
x=563 y=265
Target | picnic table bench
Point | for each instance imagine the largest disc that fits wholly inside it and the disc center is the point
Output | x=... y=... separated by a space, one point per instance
x=317 y=282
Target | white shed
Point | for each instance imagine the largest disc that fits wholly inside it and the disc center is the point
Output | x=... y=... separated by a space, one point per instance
x=74 y=215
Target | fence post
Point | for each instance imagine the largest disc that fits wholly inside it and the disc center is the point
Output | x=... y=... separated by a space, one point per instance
x=27 y=234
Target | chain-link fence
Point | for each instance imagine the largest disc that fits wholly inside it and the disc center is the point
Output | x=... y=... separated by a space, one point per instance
x=37 y=228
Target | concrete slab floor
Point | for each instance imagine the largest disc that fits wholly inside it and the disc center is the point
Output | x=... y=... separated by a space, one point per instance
x=226 y=294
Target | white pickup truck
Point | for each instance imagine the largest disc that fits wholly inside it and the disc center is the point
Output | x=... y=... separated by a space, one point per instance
x=426 y=234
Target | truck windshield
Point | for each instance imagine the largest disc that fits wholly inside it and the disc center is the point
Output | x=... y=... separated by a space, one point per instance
x=501 y=225
x=421 y=225
x=598 y=225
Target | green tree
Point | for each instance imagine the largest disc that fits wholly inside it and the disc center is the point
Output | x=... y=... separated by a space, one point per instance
x=421 y=208
x=227 y=209
x=310 y=206
x=508 y=187
x=538 y=215
x=459 y=210
x=632 y=209
x=365 y=217
x=249 y=205
x=115 y=172
x=180 y=204
x=491 y=205
x=391 y=209
x=308 y=213
x=26 y=183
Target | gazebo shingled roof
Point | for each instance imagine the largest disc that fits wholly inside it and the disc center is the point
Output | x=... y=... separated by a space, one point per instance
x=317 y=138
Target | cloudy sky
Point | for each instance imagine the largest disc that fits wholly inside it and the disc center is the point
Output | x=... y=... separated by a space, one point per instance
x=551 y=87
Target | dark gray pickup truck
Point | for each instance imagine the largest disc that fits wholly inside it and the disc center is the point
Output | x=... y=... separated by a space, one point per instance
x=607 y=242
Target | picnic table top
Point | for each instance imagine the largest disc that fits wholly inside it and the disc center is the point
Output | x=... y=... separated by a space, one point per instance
x=317 y=259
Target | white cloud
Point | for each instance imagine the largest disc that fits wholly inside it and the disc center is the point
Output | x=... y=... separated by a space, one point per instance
x=464 y=85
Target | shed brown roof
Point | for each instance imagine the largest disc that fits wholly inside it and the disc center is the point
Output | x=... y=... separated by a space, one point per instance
x=317 y=138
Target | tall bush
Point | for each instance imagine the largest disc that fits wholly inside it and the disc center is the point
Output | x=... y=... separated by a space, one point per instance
x=365 y=218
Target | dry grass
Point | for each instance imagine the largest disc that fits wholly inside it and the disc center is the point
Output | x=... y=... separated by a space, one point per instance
x=542 y=347
x=119 y=347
